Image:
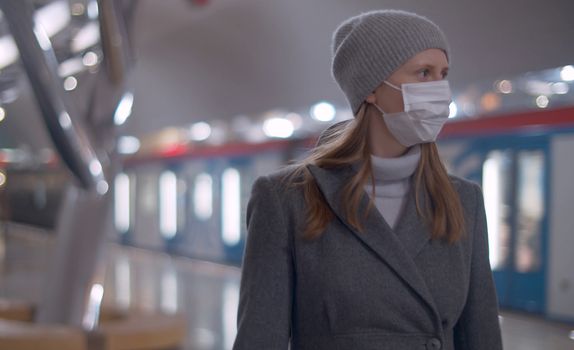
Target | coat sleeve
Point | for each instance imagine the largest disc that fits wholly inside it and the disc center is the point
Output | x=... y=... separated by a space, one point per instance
x=264 y=314
x=478 y=327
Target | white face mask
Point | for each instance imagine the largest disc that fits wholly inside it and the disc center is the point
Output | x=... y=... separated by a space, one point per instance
x=426 y=111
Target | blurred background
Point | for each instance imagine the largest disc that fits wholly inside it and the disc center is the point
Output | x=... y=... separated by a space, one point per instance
x=131 y=132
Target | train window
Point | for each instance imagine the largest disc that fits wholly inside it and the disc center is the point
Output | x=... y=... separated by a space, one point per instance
x=2 y=178
x=231 y=205
x=168 y=204
x=530 y=197
x=203 y=196
x=122 y=203
x=496 y=188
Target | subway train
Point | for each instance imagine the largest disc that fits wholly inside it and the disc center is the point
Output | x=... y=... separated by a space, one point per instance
x=193 y=202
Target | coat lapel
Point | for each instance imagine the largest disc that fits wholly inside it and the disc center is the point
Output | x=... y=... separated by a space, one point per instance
x=396 y=249
x=411 y=229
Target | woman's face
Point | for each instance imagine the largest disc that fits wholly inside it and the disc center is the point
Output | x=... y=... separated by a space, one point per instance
x=428 y=65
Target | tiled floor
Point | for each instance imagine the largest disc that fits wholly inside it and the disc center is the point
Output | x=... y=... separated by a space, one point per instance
x=206 y=293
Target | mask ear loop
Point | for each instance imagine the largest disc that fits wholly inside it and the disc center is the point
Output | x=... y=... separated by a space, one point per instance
x=393 y=86
x=379 y=109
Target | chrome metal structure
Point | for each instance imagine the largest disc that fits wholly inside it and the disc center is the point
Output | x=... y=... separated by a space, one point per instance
x=86 y=145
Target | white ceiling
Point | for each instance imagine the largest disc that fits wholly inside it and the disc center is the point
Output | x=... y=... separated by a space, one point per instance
x=236 y=57
x=248 y=56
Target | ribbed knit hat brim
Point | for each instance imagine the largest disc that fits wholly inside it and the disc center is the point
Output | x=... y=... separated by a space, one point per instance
x=369 y=47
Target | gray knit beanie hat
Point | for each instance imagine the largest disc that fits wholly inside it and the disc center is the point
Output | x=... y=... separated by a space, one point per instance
x=369 y=47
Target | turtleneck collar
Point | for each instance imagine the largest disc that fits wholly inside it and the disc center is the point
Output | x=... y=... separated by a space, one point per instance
x=396 y=169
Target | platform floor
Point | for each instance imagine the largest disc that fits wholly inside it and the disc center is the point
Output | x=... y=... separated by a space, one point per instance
x=206 y=293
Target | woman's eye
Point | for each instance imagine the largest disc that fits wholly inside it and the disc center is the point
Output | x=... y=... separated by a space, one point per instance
x=444 y=75
x=424 y=73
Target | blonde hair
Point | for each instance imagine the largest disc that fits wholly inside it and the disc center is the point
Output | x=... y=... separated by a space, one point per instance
x=440 y=206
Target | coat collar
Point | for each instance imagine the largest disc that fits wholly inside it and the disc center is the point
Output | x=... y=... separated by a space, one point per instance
x=398 y=247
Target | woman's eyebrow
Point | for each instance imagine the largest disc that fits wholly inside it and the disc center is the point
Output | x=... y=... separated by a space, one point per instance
x=420 y=65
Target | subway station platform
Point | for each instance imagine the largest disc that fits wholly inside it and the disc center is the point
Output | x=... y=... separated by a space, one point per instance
x=206 y=293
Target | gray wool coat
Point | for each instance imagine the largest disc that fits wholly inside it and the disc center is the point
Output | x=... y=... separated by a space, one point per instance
x=383 y=288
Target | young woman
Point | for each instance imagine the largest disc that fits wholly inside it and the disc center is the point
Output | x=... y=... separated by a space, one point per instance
x=368 y=243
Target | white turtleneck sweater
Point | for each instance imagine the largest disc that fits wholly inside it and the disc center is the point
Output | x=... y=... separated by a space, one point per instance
x=392 y=182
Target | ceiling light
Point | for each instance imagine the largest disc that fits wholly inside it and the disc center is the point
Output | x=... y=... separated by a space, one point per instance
x=278 y=127
x=323 y=111
x=200 y=131
x=567 y=73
